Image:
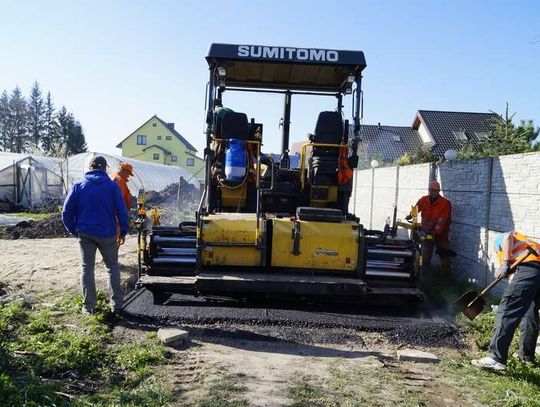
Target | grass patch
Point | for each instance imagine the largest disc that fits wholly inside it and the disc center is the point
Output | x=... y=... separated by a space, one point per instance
x=222 y=392
x=138 y=357
x=357 y=386
x=518 y=386
x=33 y=215
x=481 y=330
x=40 y=347
x=148 y=393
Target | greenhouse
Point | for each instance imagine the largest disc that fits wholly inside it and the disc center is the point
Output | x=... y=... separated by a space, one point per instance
x=29 y=181
x=147 y=176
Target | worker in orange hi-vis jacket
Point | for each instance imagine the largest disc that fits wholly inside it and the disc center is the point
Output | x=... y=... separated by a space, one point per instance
x=121 y=177
x=436 y=213
x=520 y=301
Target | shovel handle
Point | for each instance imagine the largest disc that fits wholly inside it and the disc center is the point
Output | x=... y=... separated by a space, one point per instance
x=516 y=263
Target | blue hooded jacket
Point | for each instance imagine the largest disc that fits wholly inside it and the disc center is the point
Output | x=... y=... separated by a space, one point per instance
x=94 y=206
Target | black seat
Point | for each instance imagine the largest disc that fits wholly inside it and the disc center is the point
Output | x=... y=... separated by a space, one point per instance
x=229 y=124
x=324 y=160
x=235 y=125
x=329 y=128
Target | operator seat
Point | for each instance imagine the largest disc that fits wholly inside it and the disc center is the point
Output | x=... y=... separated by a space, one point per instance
x=323 y=161
x=229 y=124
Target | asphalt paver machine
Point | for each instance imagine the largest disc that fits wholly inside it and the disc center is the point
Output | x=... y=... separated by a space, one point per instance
x=266 y=228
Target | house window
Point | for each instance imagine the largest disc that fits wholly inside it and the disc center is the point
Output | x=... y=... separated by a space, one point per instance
x=154 y=124
x=159 y=137
x=396 y=137
x=141 y=139
x=156 y=156
x=460 y=135
x=174 y=158
x=168 y=137
x=190 y=162
x=481 y=135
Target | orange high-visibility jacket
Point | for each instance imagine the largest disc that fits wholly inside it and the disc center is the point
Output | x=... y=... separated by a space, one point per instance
x=122 y=184
x=436 y=216
x=518 y=247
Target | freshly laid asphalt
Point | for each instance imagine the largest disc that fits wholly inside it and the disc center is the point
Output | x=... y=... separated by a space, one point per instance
x=401 y=323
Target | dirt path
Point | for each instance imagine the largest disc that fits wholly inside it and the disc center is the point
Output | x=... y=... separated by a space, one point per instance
x=42 y=265
x=210 y=370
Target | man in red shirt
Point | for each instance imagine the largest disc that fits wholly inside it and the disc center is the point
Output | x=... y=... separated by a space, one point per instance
x=121 y=177
x=436 y=213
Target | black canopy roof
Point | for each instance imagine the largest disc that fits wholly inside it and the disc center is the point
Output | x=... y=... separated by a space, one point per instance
x=258 y=66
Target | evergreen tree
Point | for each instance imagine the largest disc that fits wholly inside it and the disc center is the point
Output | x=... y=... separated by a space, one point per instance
x=50 y=138
x=18 y=111
x=527 y=130
x=507 y=138
x=72 y=139
x=36 y=115
x=5 y=123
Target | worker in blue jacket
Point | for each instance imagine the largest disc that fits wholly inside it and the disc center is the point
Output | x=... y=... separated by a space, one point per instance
x=92 y=210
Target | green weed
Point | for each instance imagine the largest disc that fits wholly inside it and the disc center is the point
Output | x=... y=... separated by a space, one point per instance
x=30 y=394
x=137 y=357
x=36 y=349
x=518 y=386
x=149 y=393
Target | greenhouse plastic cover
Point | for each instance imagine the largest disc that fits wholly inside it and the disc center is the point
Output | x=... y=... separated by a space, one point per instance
x=8 y=159
x=29 y=180
x=147 y=176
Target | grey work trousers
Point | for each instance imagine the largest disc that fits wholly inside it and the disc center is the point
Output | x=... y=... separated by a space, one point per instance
x=109 y=251
x=520 y=303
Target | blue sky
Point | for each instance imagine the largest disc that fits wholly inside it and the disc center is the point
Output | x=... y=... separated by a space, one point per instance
x=116 y=63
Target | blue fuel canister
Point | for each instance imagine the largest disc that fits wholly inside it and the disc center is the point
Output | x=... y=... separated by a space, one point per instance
x=235 y=160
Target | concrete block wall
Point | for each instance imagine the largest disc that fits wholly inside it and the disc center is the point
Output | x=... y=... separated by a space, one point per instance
x=488 y=196
x=383 y=196
x=413 y=184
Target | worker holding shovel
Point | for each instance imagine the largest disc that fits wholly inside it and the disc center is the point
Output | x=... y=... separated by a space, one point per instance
x=520 y=301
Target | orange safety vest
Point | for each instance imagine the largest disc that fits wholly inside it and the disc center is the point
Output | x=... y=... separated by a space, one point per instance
x=122 y=184
x=344 y=172
x=436 y=216
x=519 y=247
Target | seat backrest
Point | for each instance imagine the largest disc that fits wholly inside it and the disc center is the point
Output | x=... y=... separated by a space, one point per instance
x=230 y=125
x=235 y=126
x=329 y=128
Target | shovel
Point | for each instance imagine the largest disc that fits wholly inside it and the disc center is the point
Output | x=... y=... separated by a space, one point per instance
x=471 y=303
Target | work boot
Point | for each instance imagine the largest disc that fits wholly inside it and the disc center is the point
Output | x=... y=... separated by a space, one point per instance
x=86 y=311
x=489 y=363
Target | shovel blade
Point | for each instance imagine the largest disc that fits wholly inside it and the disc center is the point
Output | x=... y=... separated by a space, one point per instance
x=470 y=304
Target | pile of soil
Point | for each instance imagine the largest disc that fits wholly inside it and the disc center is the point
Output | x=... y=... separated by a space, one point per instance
x=169 y=195
x=174 y=206
x=42 y=229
